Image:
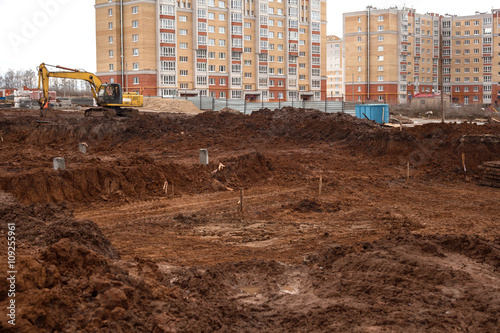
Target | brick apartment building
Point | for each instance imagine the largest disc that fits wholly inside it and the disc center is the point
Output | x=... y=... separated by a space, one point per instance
x=253 y=49
x=334 y=68
x=401 y=56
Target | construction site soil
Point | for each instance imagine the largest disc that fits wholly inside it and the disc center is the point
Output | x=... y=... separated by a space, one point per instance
x=346 y=226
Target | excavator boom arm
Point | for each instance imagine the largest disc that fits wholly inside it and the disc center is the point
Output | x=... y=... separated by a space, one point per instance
x=44 y=74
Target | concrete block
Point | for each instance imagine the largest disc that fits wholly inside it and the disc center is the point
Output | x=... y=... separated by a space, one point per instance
x=204 y=156
x=59 y=163
x=82 y=147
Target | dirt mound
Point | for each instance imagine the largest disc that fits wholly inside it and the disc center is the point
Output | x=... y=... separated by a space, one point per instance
x=43 y=225
x=138 y=177
x=227 y=109
x=71 y=288
x=142 y=178
x=170 y=105
x=313 y=205
x=69 y=282
x=243 y=170
x=132 y=157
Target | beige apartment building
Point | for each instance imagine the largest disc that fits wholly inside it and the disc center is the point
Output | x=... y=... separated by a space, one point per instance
x=266 y=50
x=334 y=76
x=471 y=58
x=393 y=54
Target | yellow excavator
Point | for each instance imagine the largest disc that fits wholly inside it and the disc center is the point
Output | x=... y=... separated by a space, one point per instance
x=110 y=98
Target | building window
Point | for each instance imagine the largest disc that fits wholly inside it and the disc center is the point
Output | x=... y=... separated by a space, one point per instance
x=135 y=52
x=167 y=38
x=201 y=66
x=110 y=26
x=110 y=39
x=167 y=51
x=111 y=67
x=167 y=79
x=168 y=65
x=136 y=80
x=111 y=53
x=110 y=12
x=135 y=66
x=202 y=13
x=201 y=80
x=135 y=38
x=135 y=10
x=135 y=24
x=167 y=10
x=202 y=40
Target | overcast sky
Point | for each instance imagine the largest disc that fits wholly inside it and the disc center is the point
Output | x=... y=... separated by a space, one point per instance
x=62 y=32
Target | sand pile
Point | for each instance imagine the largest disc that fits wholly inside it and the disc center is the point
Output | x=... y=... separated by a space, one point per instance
x=170 y=105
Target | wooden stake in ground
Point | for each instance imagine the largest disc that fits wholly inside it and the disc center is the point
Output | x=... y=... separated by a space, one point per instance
x=463 y=162
x=241 y=199
x=320 y=184
x=408 y=171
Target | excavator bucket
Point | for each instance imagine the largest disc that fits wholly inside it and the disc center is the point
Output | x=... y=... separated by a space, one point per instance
x=48 y=113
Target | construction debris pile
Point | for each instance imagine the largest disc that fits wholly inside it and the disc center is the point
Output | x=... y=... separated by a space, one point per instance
x=491 y=174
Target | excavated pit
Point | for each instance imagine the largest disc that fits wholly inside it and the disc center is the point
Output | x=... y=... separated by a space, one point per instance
x=105 y=246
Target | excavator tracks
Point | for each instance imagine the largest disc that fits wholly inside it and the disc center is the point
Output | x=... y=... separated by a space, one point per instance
x=110 y=112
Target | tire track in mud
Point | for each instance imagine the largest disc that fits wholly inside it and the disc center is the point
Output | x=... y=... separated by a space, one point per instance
x=162 y=206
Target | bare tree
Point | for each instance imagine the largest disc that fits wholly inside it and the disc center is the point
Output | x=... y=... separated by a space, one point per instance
x=17 y=79
x=9 y=78
x=28 y=78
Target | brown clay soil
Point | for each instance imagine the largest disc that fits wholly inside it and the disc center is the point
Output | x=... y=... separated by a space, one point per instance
x=102 y=247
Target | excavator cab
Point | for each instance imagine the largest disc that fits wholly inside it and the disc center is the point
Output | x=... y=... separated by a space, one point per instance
x=109 y=94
